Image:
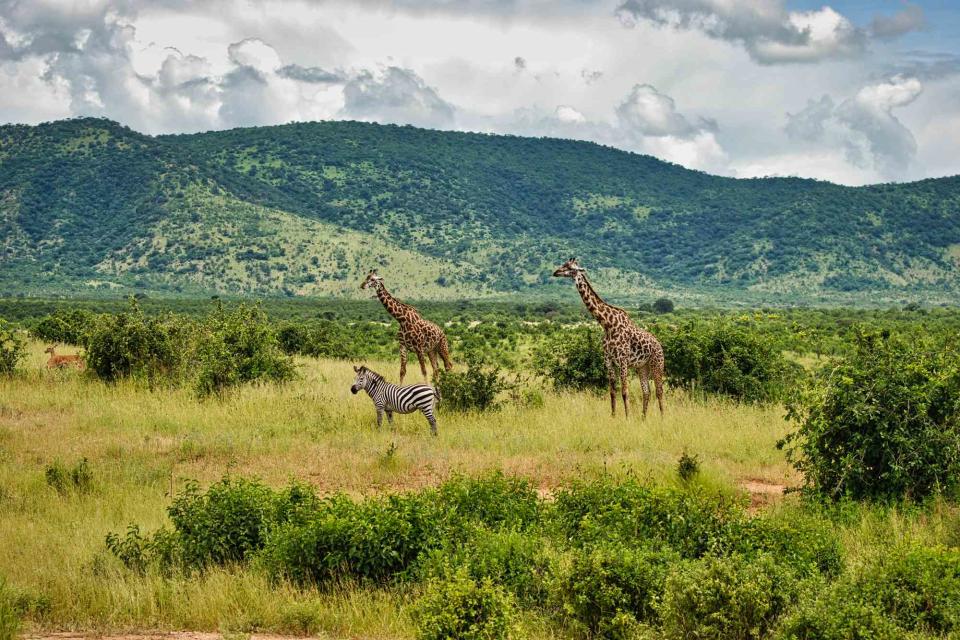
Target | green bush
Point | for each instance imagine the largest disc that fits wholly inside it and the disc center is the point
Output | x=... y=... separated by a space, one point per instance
x=323 y=339
x=606 y=509
x=238 y=347
x=804 y=542
x=822 y=617
x=495 y=501
x=883 y=423
x=459 y=607
x=12 y=348
x=726 y=598
x=723 y=358
x=65 y=479
x=129 y=344
x=476 y=389
x=65 y=326
x=663 y=305
x=906 y=590
x=573 y=359
x=517 y=561
x=609 y=589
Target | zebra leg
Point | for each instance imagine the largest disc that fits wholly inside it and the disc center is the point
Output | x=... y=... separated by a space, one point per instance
x=379 y=417
x=390 y=418
x=403 y=361
x=423 y=365
x=432 y=420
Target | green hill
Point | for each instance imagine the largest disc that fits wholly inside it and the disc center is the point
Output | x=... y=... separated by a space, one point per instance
x=89 y=207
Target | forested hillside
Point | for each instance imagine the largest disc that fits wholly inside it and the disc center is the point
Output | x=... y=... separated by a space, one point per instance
x=88 y=206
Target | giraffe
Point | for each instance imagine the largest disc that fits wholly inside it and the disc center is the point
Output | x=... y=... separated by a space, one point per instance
x=625 y=345
x=421 y=336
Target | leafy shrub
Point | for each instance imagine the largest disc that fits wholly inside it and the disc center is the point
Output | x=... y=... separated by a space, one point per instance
x=70 y=327
x=804 y=542
x=607 y=590
x=476 y=389
x=663 y=305
x=606 y=509
x=376 y=539
x=688 y=466
x=821 y=617
x=12 y=348
x=908 y=589
x=573 y=359
x=9 y=615
x=727 y=598
x=723 y=358
x=236 y=348
x=883 y=423
x=517 y=561
x=323 y=339
x=463 y=608
x=919 y=588
x=224 y=524
x=65 y=479
x=130 y=344
x=495 y=501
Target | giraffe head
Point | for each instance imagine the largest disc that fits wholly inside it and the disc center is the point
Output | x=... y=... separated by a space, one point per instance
x=568 y=269
x=372 y=280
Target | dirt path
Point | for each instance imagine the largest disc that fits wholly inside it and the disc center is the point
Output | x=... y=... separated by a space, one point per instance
x=762 y=492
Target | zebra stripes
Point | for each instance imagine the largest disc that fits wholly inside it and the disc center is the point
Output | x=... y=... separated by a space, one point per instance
x=389 y=398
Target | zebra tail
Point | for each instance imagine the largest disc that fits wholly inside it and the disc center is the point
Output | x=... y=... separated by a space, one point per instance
x=436 y=393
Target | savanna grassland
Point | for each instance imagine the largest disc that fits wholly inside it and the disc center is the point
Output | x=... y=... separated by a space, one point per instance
x=544 y=516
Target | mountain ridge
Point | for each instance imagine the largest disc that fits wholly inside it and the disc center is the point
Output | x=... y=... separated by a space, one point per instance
x=90 y=206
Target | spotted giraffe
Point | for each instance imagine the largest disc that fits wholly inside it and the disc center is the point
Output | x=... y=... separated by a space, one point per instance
x=625 y=345
x=421 y=336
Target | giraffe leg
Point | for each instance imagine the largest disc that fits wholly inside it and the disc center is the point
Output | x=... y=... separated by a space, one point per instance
x=403 y=361
x=445 y=354
x=423 y=365
x=433 y=365
x=612 y=382
x=658 y=383
x=624 y=379
x=644 y=372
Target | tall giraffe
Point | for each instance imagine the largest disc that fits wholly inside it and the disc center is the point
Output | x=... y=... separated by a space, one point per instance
x=625 y=345
x=421 y=336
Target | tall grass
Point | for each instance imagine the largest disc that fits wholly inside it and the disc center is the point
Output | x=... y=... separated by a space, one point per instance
x=142 y=445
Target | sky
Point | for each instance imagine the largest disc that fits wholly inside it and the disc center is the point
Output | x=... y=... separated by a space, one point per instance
x=849 y=91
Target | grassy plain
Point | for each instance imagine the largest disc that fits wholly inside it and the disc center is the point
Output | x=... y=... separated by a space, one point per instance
x=142 y=445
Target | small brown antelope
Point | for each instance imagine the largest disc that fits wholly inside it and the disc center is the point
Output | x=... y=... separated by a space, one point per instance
x=59 y=362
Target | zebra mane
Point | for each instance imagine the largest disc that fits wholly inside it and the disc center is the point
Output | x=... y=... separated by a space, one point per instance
x=373 y=374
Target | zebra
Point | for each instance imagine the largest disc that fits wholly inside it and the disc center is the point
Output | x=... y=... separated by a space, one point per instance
x=390 y=398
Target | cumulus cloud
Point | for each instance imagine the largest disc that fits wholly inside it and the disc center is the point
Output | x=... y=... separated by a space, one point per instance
x=864 y=125
x=765 y=28
x=566 y=113
x=395 y=95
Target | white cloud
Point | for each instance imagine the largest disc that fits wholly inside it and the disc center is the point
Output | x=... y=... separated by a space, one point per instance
x=566 y=113
x=863 y=126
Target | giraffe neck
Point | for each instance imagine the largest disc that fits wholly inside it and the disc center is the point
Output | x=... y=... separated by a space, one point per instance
x=394 y=307
x=594 y=303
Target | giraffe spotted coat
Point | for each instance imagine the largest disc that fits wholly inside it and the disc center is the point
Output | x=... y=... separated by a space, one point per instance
x=416 y=334
x=625 y=345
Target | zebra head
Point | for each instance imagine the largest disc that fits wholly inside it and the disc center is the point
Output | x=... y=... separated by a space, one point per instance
x=364 y=376
x=568 y=269
x=372 y=280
